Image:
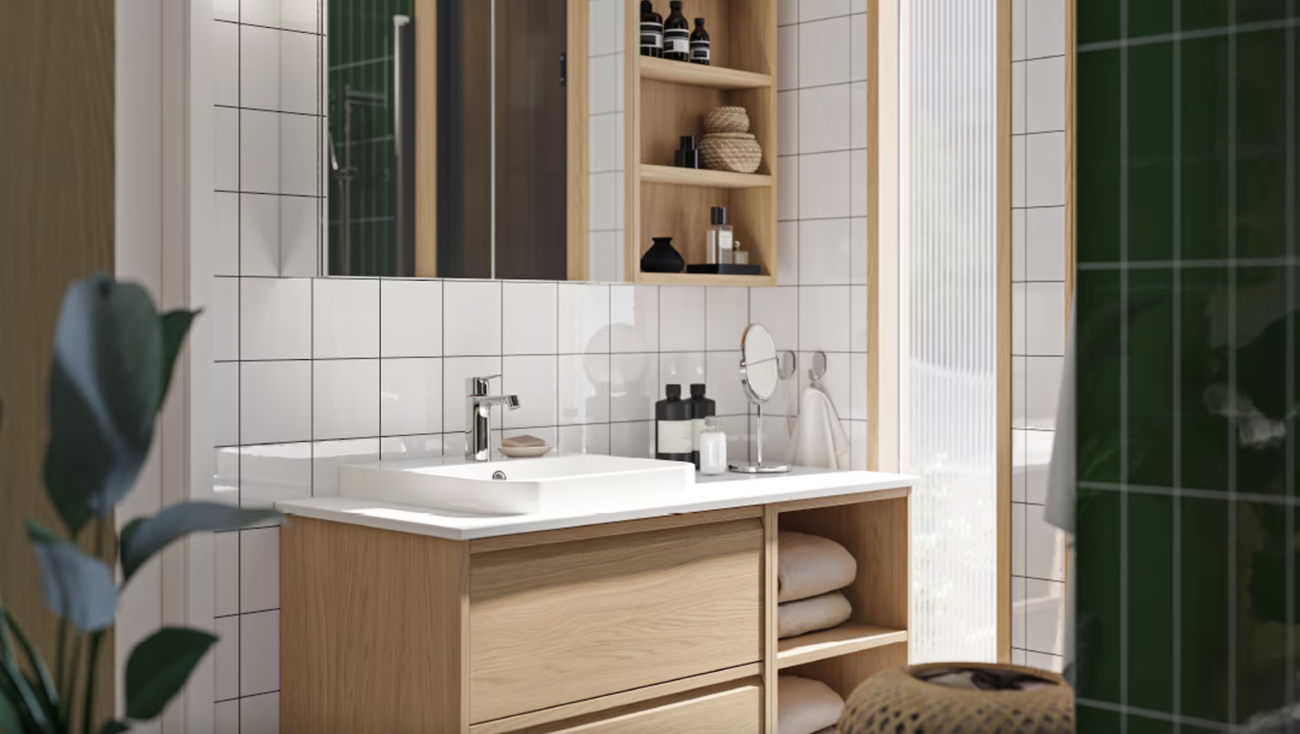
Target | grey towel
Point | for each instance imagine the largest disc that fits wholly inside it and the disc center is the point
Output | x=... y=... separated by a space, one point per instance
x=796 y=618
x=808 y=565
x=805 y=706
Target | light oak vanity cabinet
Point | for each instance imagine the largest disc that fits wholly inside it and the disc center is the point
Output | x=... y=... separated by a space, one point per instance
x=662 y=625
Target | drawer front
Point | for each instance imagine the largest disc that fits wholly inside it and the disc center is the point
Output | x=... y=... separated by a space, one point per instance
x=560 y=623
x=734 y=711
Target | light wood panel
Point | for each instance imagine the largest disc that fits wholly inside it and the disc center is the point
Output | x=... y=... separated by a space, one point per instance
x=578 y=196
x=373 y=630
x=595 y=617
x=846 y=672
x=605 y=530
x=57 y=60
x=771 y=620
x=732 y=711
x=699 y=75
x=426 y=138
x=703 y=177
x=1004 y=329
x=847 y=638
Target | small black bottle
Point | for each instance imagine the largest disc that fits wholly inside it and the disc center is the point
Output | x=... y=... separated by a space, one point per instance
x=652 y=31
x=701 y=408
x=677 y=34
x=700 y=43
x=673 y=429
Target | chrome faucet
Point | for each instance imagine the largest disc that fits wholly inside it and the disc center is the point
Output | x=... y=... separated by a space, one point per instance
x=478 y=416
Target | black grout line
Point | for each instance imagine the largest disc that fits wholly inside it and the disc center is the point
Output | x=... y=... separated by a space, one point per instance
x=240 y=108
x=267 y=27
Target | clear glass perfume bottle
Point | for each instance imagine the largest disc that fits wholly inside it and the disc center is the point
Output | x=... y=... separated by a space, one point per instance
x=719 y=241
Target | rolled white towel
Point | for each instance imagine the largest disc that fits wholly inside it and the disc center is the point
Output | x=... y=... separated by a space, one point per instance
x=808 y=565
x=795 y=618
x=805 y=706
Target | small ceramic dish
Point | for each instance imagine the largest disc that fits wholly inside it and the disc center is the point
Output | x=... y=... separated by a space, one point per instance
x=525 y=452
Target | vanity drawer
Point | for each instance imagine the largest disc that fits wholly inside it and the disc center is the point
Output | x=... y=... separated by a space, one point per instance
x=733 y=710
x=558 y=623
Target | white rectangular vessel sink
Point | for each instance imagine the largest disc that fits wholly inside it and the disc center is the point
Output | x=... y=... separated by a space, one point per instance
x=522 y=486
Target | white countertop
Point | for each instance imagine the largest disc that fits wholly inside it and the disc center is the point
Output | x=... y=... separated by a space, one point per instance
x=710 y=493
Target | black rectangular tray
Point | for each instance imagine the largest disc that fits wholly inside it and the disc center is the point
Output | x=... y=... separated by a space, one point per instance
x=723 y=269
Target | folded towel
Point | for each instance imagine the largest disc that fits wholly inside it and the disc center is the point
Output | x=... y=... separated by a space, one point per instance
x=808 y=565
x=805 y=706
x=795 y=618
x=819 y=439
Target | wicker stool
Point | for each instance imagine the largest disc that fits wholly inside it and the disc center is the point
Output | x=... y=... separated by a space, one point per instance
x=897 y=702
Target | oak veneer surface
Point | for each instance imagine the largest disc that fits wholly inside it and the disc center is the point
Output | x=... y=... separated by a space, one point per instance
x=571 y=621
x=846 y=672
x=729 y=711
x=372 y=623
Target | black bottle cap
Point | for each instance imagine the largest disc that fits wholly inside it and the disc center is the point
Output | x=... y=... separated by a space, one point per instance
x=699 y=21
x=697 y=390
x=646 y=7
x=674 y=392
x=718 y=215
x=688 y=142
x=675 y=4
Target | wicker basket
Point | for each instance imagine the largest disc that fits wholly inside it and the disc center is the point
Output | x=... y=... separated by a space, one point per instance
x=737 y=152
x=726 y=120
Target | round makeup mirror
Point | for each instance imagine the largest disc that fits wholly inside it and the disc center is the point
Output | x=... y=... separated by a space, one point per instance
x=760 y=374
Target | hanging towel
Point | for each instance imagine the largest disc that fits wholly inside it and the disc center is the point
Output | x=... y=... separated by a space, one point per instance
x=819 y=439
x=808 y=565
x=795 y=618
x=805 y=706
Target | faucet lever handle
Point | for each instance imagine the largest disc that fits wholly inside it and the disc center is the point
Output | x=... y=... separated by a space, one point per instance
x=477 y=387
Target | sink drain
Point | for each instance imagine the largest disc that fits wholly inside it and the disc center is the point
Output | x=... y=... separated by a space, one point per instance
x=498 y=476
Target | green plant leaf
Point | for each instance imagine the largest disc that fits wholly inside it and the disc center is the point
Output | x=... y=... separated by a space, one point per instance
x=18 y=690
x=175 y=325
x=77 y=587
x=9 y=719
x=143 y=537
x=159 y=666
x=114 y=727
x=49 y=691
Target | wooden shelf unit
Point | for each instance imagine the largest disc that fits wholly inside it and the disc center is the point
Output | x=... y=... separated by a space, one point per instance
x=666 y=100
x=847 y=638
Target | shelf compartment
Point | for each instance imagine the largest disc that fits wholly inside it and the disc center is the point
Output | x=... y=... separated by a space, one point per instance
x=703 y=177
x=849 y=637
x=704 y=279
x=717 y=77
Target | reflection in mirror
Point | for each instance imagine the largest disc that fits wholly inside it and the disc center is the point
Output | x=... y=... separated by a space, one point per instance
x=760 y=374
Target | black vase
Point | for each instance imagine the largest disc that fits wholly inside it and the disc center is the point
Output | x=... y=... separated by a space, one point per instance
x=662 y=257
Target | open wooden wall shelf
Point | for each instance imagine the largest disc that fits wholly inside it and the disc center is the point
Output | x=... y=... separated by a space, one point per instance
x=666 y=100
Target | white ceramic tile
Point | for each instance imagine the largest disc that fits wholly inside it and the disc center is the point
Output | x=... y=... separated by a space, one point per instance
x=824 y=251
x=274 y=472
x=410 y=396
x=1043 y=390
x=723 y=381
x=225 y=234
x=858 y=317
x=741 y=437
x=1018 y=103
x=534 y=380
x=632 y=439
x=1045 y=319
x=274 y=402
x=858 y=183
x=1045 y=28
x=605 y=142
x=299 y=217
x=778 y=310
x=345 y=313
x=410 y=318
x=455 y=371
x=1018 y=170
x=225 y=404
x=1018 y=539
x=1018 y=657
x=823 y=119
x=1045 y=243
x=858 y=115
x=824 y=54
x=824 y=185
x=298 y=60
x=225 y=169
x=818 y=9
x=787 y=12
x=275 y=318
x=345 y=398
x=259 y=569
x=588 y=439
x=787 y=122
x=259 y=151
x=1051 y=663
x=604 y=27
x=606 y=191
x=858 y=445
x=259 y=234
x=606 y=84
x=1018 y=612
x=260 y=714
x=260 y=12
x=259 y=67
x=634 y=315
x=225 y=64
x=224 y=313
x=1037 y=463
x=858 y=230
x=259 y=652
x=225 y=10
x=413 y=447
x=299 y=138
x=858 y=51
x=823 y=318
x=225 y=658
x=787 y=200
x=328 y=455
x=225 y=552
x=225 y=475
x=583 y=313
x=301 y=15
x=680 y=327
x=634 y=386
x=1018 y=29
x=1018 y=392
x=225 y=715
x=1045 y=169
x=683 y=368
x=787 y=254
x=859 y=409
x=1019 y=252
x=1045 y=94
x=1044 y=547
x=787 y=61
x=858 y=6
x=726 y=316
x=605 y=256
x=1045 y=621
x=528 y=318
x=583 y=395
x=472 y=321
x=1018 y=492
x=1018 y=318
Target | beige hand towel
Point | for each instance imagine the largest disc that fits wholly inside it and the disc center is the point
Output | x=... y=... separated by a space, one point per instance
x=805 y=706
x=795 y=618
x=808 y=565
